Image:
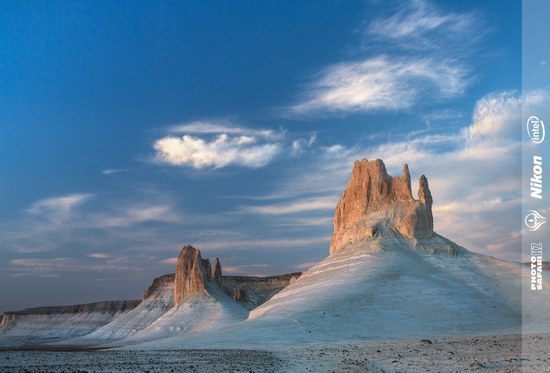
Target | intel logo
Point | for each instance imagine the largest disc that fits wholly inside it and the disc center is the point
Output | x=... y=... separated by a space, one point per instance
x=535 y=129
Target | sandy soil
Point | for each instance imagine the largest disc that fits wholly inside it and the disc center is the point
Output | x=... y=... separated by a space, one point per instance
x=456 y=354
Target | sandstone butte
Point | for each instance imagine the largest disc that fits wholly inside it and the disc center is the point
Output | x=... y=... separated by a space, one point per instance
x=193 y=273
x=373 y=200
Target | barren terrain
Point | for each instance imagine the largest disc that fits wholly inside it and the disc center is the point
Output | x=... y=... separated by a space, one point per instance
x=480 y=353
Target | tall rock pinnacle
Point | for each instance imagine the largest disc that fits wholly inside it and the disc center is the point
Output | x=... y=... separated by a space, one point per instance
x=373 y=197
x=192 y=274
x=217 y=271
x=425 y=196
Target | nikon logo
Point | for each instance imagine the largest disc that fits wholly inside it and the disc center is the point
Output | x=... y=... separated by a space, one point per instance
x=536 y=180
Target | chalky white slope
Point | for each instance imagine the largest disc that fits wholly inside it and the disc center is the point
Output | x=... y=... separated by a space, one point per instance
x=46 y=324
x=158 y=300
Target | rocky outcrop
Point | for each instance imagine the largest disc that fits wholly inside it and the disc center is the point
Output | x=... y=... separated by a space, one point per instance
x=217 y=271
x=192 y=274
x=113 y=307
x=373 y=200
x=196 y=276
x=165 y=281
x=253 y=291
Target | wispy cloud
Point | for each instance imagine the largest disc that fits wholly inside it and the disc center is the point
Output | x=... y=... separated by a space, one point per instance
x=45 y=266
x=383 y=83
x=420 y=25
x=134 y=214
x=99 y=255
x=58 y=209
x=224 y=126
x=328 y=203
x=300 y=145
x=171 y=261
x=273 y=244
x=55 y=223
x=111 y=171
x=415 y=65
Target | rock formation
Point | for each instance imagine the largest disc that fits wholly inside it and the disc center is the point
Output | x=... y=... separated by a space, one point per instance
x=374 y=200
x=113 y=306
x=158 y=283
x=253 y=291
x=195 y=275
x=217 y=271
x=192 y=274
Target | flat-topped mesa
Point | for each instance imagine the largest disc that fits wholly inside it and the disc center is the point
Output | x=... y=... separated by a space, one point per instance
x=373 y=196
x=192 y=274
x=159 y=283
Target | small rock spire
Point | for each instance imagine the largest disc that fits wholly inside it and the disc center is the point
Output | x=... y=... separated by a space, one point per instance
x=425 y=196
x=217 y=271
x=407 y=179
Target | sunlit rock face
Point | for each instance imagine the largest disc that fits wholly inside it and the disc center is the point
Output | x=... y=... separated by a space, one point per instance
x=192 y=274
x=374 y=201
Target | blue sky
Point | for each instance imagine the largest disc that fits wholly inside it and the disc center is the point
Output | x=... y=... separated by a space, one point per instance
x=132 y=128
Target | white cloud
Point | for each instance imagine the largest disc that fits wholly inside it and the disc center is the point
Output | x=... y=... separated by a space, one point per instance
x=99 y=255
x=132 y=215
x=300 y=145
x=316 y=204
x=411 y=24
x=222 y=151
x=425 y=56
x=227 y=127
x=171 y=261
x=58 y=209
x=383 y=83
x=43 y=266
x=110 y=171
x=264 y=243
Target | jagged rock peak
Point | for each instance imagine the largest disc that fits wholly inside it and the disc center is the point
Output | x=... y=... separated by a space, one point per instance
x=370 y=190
x=192 y=274
x=217 y=271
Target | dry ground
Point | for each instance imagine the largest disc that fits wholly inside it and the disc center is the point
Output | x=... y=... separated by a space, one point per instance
x=453 y=354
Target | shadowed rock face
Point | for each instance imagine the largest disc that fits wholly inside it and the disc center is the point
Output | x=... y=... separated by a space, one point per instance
x=217 y=271
x=374 y=200
x=113 y=306
x=192 y=274
x=158 y=283
x=253 y=291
